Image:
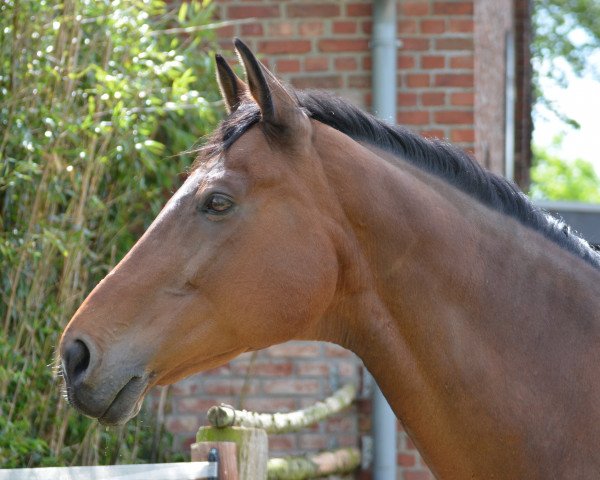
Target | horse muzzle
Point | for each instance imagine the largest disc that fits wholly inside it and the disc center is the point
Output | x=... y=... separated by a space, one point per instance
x=110 y=391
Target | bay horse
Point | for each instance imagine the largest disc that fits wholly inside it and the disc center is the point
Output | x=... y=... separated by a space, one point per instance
x=305 y=218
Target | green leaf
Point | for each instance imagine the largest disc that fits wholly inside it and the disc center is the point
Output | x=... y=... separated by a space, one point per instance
x=181 y=16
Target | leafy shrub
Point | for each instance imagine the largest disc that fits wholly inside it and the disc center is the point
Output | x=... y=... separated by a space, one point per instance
x=553 y=178
x=97 y=99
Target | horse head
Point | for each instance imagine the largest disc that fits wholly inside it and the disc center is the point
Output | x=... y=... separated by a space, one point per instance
x=240 y=258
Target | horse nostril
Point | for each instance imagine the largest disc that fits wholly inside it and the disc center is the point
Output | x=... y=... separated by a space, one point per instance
x=76 y=360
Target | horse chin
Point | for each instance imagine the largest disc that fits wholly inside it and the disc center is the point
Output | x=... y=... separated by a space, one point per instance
x=114 y=416
x=127 y=403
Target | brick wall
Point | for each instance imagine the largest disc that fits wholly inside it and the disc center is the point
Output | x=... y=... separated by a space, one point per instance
x=279 y=379
x=326 y=45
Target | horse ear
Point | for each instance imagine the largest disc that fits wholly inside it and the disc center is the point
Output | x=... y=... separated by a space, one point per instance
x=232 y=88
x=276 y=105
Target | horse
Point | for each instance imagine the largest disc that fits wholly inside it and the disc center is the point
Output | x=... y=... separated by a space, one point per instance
x=305 y=218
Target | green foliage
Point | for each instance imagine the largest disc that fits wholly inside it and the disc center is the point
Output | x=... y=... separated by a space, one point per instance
x=555 y=179
x=97 y=99
x=567 y=31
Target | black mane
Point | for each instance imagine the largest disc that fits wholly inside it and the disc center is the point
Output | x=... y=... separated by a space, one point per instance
x=436 y=157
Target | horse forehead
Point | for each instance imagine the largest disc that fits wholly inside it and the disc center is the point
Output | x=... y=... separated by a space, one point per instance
x=252 y=156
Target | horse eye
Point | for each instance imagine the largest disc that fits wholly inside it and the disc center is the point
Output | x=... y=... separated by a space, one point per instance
x=217 y=204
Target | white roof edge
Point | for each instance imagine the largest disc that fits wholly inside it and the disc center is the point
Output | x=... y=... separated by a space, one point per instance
x=559 y=206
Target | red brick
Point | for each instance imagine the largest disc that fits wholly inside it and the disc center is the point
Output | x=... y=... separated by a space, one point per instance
x=321 y=81
x=347 y=440
x=282 y=29
x=344 y=45
x=316 y=10
x=463 y=61
x=294 y=349
x=224 y=44
x=406 y=62
x=288 y=66
x=429 y=99
x=413 y=117
x=185 y=387
x=264 y=368
x=311 y=28
x=182 y=423
x=417 y=475
x=407 y=25
x=462 y=135
x=270 y=404
x=406 y=460
x=252 y=29
x=316 y=64
x=319 y=369
x=454 y=80
x=344 y=27
x=218 y=371
x=433 y=26
x=292 y=386
x=312 y=441
x=342 y=423
x=197 y=405
x=367 y=27
x=407 y=99
x=359 y=81
x=417 y=44
x=454 y=43
x=364 y=423
x=433 y=61
x=345 y=64
x=347 y=368
x=454 y=117
x=285 y=46
x=415 y=80
x=227 y=386
x=248 y=11
x=227 y=31
x=459 y=25
x=453 y=8
x=417 y=8
x=361 y=9
x=282 y=442
x=462 y=99
x=367 y=62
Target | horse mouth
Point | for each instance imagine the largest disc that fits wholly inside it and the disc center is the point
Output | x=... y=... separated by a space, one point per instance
x=127 y=402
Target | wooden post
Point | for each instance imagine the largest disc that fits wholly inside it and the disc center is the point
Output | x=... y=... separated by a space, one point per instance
x=251 y=444
x=227 y=457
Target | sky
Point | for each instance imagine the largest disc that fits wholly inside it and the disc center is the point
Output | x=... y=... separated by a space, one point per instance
x=580 y=101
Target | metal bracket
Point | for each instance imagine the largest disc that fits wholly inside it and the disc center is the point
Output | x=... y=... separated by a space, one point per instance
x=213 y=458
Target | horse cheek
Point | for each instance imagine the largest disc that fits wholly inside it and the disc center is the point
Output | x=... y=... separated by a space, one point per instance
x=300 y=288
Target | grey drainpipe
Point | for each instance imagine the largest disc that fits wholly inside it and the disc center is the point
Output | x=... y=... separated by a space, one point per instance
x=384 y=46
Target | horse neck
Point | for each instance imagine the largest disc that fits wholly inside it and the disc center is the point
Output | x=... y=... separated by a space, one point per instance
x=465 y=317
